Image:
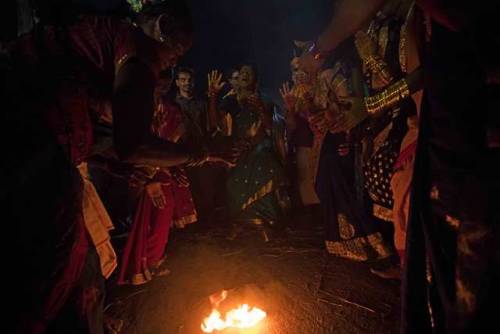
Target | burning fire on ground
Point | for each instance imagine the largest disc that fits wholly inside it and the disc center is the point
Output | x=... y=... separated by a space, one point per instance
x=242 y=317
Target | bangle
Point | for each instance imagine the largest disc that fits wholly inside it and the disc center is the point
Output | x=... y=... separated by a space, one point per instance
x=388 y=98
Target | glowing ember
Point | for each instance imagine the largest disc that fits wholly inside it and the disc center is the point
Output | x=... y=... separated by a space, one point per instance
x=242 y=317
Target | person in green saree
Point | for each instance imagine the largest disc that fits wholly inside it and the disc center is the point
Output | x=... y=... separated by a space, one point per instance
x=256 y=185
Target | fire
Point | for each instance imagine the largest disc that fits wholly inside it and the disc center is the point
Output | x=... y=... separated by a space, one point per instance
x=241 y=317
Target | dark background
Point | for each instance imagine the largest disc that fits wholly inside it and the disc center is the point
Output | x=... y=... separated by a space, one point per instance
x=228 y=33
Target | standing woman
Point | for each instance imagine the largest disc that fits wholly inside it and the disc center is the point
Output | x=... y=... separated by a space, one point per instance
x=255 y=185
x=58 y=73
x=164 y=198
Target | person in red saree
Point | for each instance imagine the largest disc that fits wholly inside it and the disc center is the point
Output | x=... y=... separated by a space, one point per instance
x=56 y=74
x=165 y=199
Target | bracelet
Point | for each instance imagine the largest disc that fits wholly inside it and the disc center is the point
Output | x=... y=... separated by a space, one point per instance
x=388 y=98
x=316 y=53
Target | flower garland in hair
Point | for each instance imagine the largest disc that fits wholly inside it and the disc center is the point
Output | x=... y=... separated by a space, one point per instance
x=136 y=5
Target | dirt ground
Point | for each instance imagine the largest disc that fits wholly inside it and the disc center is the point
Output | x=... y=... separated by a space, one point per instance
x=302 y=288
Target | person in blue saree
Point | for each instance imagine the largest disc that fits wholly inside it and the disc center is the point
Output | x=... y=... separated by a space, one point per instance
x=256 y=184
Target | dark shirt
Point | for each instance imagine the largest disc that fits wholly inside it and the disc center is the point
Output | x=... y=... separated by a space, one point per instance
x=195 y=119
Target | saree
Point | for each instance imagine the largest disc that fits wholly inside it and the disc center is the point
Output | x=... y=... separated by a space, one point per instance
x=350 y=232
x=254 y=185
x=145 y=247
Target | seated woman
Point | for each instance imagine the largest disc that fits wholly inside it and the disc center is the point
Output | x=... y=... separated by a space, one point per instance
x=255 y=185
x=164 y=199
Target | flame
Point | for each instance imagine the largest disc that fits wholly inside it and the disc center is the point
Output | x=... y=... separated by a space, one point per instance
x=241 y=317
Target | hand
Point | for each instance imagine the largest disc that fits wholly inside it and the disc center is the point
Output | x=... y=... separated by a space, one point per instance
x=352 y=113
x=230 y=155
x=156 y=194
x=215 y=83
x=288 y=97
x=179 y=177
x=319 y=122
x=365 y=44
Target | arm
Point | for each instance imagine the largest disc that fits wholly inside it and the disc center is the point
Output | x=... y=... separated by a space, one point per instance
x=358 y=109
x=348 y=17
x=132 y=114
x=213 y=119
x=215 y=84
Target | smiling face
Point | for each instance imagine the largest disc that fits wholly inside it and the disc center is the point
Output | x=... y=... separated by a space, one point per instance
x=185 y=84
x=247 y=78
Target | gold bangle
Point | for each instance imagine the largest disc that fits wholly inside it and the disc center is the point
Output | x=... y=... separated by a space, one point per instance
x=388 y=98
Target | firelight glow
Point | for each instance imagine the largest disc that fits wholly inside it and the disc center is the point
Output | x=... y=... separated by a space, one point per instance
x=241 y=317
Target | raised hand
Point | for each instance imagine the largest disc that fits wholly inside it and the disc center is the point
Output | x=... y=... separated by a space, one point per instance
x=215 y=83
x=288 y=97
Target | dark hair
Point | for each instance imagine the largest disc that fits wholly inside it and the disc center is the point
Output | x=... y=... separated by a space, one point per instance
x=184 y=69
x=228 y=73
x=254 y=69
x=177 y=12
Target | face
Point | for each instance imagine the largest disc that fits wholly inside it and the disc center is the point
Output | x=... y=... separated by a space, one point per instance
x=172 y=49
x=234 y=79
x=173 y=45
x=185 y=83
x=299 y=76
x=247 y=79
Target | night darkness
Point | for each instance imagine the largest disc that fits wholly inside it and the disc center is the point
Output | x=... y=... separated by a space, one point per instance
x=230 y=32
x=261 y=32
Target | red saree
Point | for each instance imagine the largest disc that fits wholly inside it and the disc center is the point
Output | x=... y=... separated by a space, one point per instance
x=69 y=68
x=148 y=238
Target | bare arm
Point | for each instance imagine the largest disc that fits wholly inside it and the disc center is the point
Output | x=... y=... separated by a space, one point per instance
x=132 y=114
x=349 y=16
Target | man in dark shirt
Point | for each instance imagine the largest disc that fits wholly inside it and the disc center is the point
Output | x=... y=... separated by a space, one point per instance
x=208 y=181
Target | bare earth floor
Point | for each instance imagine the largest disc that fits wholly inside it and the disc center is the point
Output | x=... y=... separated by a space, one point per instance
x=302 y=289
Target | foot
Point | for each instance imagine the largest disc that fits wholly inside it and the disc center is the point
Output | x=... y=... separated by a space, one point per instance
x=392 y=272
x=159 y=269
x=159 y=272
x=113 y=325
